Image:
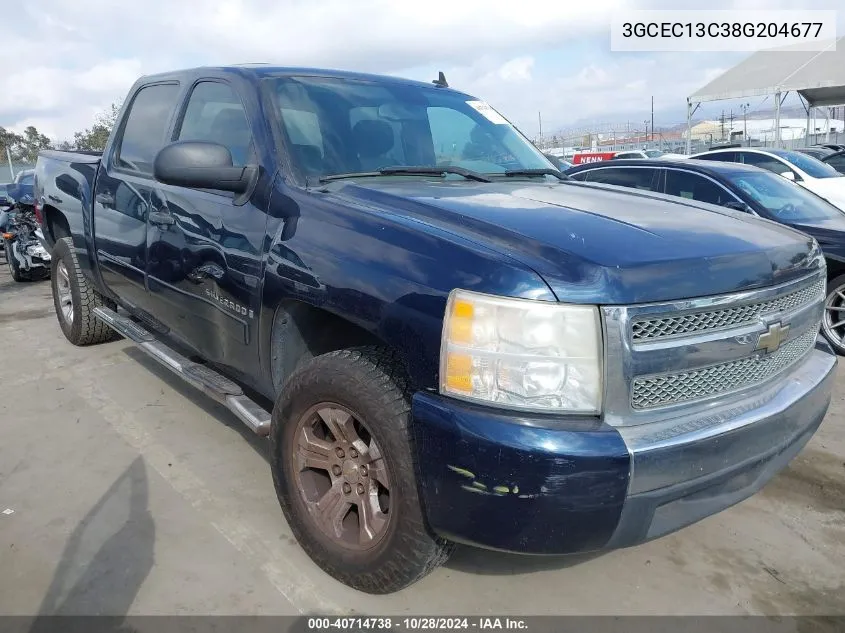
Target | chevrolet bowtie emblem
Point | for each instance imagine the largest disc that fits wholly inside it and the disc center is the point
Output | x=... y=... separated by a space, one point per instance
x=771 y=340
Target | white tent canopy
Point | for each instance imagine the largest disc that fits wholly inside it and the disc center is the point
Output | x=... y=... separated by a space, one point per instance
x=817 y=76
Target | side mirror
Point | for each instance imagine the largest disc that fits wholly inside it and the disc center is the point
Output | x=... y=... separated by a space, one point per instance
x=788 y=175
x=203 y=165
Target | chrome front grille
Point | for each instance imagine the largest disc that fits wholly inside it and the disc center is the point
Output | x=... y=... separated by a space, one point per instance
x=664 y=358
x=674 y=388
x=655 y=328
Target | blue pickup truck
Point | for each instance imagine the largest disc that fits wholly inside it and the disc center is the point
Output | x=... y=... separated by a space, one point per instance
x=445 y=339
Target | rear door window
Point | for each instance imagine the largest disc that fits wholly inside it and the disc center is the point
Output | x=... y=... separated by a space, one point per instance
x=764 y=161
x=643 y=178
x=722 y=157
x=145 y=127
x=685 y=184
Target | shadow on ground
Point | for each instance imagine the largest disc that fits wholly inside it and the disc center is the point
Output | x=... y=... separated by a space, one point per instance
x=204 y=402
x=107 y=557
x=473 y=560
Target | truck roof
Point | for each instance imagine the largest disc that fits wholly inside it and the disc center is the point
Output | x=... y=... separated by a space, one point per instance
x=261 y=70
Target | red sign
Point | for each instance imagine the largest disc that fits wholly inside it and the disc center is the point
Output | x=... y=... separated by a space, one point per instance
x=592 y=157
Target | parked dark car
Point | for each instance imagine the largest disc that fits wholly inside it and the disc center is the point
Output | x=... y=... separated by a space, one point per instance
x=816 y=152
x=461 y=344
x=745 y=188
x=836 y=160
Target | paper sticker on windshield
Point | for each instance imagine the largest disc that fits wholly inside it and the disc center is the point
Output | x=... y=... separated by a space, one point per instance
x=487 y=112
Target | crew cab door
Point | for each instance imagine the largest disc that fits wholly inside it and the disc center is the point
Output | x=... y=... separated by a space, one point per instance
x=123 y=191
x=204 y=251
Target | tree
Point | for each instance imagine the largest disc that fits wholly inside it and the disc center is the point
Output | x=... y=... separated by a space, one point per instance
x=95 y=137
x=23 y=148
x=31 y=143
x=10 y=140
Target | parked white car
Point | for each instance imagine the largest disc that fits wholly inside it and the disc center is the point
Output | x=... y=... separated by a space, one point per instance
x=809 y=172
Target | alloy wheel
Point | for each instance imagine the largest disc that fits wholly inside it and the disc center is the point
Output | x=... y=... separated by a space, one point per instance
x=64 y=292
x=342 y=477
x=833 y=322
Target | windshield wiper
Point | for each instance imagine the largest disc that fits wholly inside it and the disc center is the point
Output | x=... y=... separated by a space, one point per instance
x=412 y=171
x=435 y=171
x=538 y=172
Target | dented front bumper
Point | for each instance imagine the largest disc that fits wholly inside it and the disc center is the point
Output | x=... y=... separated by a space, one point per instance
x=544 y=485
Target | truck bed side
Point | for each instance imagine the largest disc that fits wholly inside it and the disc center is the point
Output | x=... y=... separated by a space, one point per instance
x=64 y=185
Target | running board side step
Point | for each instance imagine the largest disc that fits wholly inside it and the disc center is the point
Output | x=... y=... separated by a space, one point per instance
x=213 y=384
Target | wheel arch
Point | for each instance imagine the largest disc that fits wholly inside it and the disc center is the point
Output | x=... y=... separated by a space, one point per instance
x=56 y=225
x=835 y=267
x=301 y=331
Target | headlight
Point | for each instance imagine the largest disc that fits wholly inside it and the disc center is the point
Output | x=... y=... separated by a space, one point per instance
x=521 y=354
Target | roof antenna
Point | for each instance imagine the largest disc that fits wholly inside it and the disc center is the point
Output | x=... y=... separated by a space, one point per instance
x=441 y=81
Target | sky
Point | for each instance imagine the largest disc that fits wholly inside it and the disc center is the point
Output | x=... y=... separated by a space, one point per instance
x=530 y=59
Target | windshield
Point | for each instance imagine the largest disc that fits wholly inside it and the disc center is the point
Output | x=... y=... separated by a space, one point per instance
x=811 y=166
x=653 y=153
x=25 y=179
x=785 y=201
x=340 y=126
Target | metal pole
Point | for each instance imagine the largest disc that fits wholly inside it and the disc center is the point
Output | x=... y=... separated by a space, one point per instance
x=9 y=156
x=777 y=119
x=689 y=127
x=745 y=123
x=652 y=118
x=814 y=123
x=827 y=125
x=807 y=133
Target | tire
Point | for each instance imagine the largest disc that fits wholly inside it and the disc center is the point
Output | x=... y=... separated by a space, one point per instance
x=369 y=384
x=14 y=267
x=68 y=283
x=834 y=313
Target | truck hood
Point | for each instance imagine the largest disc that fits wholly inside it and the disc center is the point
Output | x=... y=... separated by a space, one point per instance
x=594 y=244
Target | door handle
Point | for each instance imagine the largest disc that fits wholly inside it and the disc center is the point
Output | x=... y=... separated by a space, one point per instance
x=161 y=218
x=206 y=271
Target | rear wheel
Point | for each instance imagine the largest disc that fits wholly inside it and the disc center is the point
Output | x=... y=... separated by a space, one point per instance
x=12 y=262
x=833 y=321
x=344 y=472
x=75 y=299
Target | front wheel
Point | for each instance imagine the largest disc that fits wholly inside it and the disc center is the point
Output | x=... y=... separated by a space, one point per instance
x=344 y=472
x=833 y=321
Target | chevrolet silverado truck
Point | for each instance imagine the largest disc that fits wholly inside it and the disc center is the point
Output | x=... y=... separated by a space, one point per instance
x=445 y=339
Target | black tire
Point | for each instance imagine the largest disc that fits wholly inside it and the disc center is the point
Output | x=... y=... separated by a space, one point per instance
x=14 y=267
x=368 y=381
x=83 y=328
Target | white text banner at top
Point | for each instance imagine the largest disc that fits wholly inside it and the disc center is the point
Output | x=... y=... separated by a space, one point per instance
x=722 y=31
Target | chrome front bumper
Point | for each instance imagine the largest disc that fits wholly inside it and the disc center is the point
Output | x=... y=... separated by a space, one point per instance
x=690 y=467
